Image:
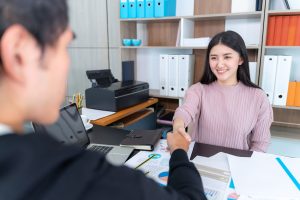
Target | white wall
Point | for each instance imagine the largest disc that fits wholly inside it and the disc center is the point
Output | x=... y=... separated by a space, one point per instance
x=97 y=41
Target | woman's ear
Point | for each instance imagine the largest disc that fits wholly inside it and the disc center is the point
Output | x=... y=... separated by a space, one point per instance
x=241 y=61
x=16 y=50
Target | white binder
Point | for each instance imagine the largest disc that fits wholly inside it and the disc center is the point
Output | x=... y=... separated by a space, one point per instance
x=252 y=70
x=284 y=64
x=163 y=75
x=269 y=75
x=185 y=73
x=173 y=75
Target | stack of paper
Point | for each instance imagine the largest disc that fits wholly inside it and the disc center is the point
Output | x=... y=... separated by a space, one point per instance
x=265 y=176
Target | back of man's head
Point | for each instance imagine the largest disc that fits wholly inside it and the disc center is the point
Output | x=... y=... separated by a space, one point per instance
x=44 y=19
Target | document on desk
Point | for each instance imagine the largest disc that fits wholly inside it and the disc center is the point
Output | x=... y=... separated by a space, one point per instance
x=157 y=167
x=215 y=176
x=267 y=177
x=93 y=114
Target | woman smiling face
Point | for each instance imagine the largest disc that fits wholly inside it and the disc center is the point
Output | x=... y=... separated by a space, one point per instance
x=224 y=63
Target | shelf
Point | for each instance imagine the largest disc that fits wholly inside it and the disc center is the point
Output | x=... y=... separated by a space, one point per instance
x=223 y=16
x=198 y=17
x=173 y=47
x=282 y=47
x=287 y=107
x=284 y=12
x=162 y=19
x=285 y=124
x=155 y=93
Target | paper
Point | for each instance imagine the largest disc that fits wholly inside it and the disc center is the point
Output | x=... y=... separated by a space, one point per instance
x=93 y=114
x=191 y=148
x=157 y=167
x=215 y=176
x=261 y=177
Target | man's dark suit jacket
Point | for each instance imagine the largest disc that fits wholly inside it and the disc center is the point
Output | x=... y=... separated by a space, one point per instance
x=37 y=167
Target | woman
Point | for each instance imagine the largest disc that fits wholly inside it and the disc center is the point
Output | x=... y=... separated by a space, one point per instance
x=225 y=108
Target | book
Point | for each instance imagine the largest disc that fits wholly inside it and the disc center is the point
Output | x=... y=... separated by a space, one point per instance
x=142 y=139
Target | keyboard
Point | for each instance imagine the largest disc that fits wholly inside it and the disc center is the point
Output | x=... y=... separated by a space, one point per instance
x=101 y=149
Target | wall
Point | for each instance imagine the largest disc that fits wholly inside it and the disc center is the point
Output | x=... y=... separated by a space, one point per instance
x=97 y=41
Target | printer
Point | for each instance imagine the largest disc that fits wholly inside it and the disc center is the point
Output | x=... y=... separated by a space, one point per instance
x=109 y=94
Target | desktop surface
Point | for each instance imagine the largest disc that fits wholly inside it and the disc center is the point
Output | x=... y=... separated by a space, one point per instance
x=113 y=136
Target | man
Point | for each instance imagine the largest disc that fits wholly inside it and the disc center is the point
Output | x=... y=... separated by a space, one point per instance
x=34 y=35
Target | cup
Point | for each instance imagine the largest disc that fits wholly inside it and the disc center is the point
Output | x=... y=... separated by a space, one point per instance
x=85 y=120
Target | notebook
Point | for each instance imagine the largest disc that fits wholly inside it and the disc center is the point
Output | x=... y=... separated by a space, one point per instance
x=142 y=139
x=69 y=129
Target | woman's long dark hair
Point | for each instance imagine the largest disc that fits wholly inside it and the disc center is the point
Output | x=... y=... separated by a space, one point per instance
x=234 y=41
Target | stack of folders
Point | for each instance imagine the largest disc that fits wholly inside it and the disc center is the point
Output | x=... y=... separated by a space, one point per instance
x=176 y=74
x=147 y=8
x=142 y=139
x=275 y=78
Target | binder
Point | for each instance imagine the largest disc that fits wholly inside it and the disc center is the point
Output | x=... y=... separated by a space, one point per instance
x=284 y=64
x=284 y=30
x=164 y=8
x=252 y=70
x=269 y=75
x=123 y=9
x=163 y=75
x=297 y=40
x=291 y=94
x=277 y=34
x=271 y=30
x=140 y=9
x=292 y=31
x=297 y=94
x=185 y=70
x=132 y=9
x=149 y=10
x=173 y=75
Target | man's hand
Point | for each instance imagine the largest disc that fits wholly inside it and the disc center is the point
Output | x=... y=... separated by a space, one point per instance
x=177 y=140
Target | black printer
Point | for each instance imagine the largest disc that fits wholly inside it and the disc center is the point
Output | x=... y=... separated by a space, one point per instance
x=109 y=94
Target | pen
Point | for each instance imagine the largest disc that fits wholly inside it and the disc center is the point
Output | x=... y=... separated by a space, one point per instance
x=147 y=172
x=145 y=161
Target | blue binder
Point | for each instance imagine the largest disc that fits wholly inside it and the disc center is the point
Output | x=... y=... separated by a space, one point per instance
x=132 y=9
x=123 y=9
x=149 y=11
x=164 y=8
x=140 y=9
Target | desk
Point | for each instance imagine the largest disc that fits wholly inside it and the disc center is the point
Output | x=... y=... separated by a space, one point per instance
x=113 y=136
x=124 y=113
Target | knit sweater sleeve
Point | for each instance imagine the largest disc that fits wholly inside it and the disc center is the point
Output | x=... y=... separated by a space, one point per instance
x=191 y=104
x=261 y=133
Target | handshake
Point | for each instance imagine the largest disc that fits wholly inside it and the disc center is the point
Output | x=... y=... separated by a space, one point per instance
x=179 y=139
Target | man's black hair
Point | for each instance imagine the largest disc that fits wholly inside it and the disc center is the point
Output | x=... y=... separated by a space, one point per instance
x=46 y=20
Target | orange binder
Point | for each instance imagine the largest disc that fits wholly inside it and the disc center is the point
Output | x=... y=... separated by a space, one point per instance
x=271 y=30
x=292 y=31
x=291 y=94
x=284 y=30
x=278 y=27
x=297 y=40
x=297 y=94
